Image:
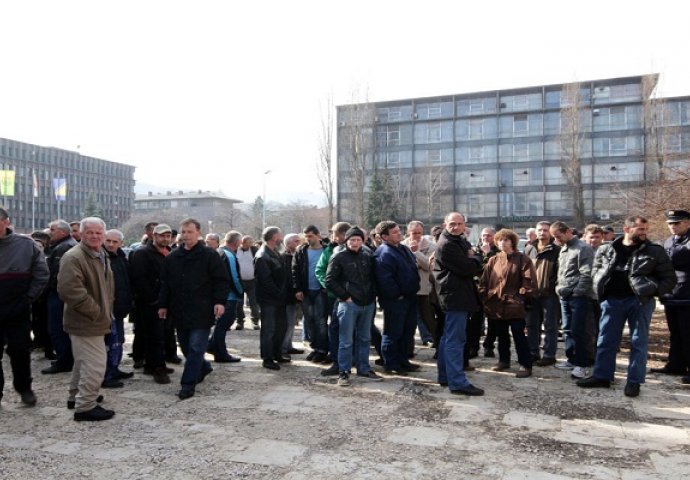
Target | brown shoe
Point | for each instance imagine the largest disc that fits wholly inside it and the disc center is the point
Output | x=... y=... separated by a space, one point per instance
x=524 y=372
x=501 y=367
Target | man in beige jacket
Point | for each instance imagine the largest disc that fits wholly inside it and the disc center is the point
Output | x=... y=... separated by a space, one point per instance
x=86 y=286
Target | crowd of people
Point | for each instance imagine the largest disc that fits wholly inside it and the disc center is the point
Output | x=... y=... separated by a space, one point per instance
x=73 y=285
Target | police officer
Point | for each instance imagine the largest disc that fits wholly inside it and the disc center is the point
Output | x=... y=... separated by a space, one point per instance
x=677 y=303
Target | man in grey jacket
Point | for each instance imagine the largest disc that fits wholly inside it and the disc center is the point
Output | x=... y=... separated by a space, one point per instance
x=628 y=273
x=574 y=287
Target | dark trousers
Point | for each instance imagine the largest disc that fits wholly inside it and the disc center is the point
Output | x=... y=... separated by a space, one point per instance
x=490 y=338
x=39 y=324
x=216 y=344
x=60 y=339
x=249 y=287
x=169 y=339
x=15 y=333
x=475 y=325
x=154 y=335
x=273 y=328
x=678 y=321
x=517 y=328
x=113 y=343
x=333 y=328
x=139 y=341
x=399 y=324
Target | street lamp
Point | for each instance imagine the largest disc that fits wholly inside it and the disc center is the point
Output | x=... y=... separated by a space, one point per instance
x=263 y=210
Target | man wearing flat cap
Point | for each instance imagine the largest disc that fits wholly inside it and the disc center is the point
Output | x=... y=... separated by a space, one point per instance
x=677 y=303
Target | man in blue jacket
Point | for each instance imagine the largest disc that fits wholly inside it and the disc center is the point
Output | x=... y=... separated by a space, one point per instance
x=397 y=283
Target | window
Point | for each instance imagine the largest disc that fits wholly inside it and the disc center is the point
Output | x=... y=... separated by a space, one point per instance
x=617 y=146
x=433 y=132
x=476 y=106
x=520 y=102
x=393 y=136
x=520 y=125
x=672 y=143
x=476 y=129
x=617 y=118
x=520 y=152
x=506 y=177
x=476 y=153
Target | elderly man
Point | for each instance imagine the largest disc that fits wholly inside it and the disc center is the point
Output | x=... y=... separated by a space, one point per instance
x=23 y=276
x=194 y=288
x=60 y=242
x=86 y=285
x=292 y=241
x=212 y=240
x=245 y=256
x=628 y=273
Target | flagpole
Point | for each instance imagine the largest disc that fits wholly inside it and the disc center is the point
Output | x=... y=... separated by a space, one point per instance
x=33 y=199
x=57 y=196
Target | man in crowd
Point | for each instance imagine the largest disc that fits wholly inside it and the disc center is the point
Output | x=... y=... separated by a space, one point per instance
x=121 y=308
x=75 y=230
x=594 y=236
x=308 y=290
x=486 y=249
x=23 y=276
x=291 y=242
x=455 y=267
x=194 y=288
x=574 y=287
x=628 y=273
x=60 y=242
x=350 y=276
x=397 y=284
x=212 y=240
x=245 y=255
x=544 y=307
x=146 y=265
x=677 y=302
x=609 y=233
x=271 y=288
x=217 y=345
x=86 y=285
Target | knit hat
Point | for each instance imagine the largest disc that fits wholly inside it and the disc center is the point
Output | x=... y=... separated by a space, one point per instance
x=354 y=232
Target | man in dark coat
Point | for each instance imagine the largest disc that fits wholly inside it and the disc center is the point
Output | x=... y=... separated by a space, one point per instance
x=194 y=287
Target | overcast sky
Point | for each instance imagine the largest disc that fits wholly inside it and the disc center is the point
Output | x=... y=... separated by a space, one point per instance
x=210 y=94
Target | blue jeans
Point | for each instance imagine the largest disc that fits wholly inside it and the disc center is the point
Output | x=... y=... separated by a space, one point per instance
x=290 y=314
x=575 y=311
x=193 y=342
x=399 y=324
x=353 y=317
x=614 y=313
x=113 y=343
x=544 y=310
x=217 y=341
x=60 y=339
x=316 y=319
x=451 y=350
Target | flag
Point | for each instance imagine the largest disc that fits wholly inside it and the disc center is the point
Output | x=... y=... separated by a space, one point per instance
x=60 y=189
x=7 y=183
x=35 y=185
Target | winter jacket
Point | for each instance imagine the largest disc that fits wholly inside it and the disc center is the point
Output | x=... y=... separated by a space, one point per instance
x=351 y=275
x=87 y=288
x=546 y=265
x=271 y=277
x=290 y=291
x=23 y=276
x=192 y=283
x=54 y=255
x=322 y=265
x=575 y=269
x=650 y=271
x=300 y=268
x=145 y=265
x=508 y=281
x=123 y=293
x=396 y=272
x=233 y=266
x=454 y=271
x=426 y=248
x=679 y=251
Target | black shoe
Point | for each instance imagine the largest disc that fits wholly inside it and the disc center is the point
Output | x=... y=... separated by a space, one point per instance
x=113 y=383
x=257 y=327
x=239 y=326
x=472 y=353
x=593 y=382
x=326 y=359
x=667 y=370
x=124 y=375
x=283 y=360
x=392 y=371
x=379 y=362
x=50 y=355
x=295 y=351
x=160 y=376
x=138 y=364
x=270 y=364
x=331 y=371
x=470 y=390
x=151 y=371
x=410 y=367
x=443 y=384
x=184 y=394
x=685 y=380
x=28 y=397
x=204 y=374
x=228 y=359
x=489 y=353
x=312 y=355
x=535 y=357
x=96 y=414
x=72 y=403
x=174 y=360
x=632 y=389
x=55 y=369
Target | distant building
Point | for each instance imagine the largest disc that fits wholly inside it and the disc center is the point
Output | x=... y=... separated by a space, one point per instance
x=32 y=178
x=498 y=156
x=203 y=205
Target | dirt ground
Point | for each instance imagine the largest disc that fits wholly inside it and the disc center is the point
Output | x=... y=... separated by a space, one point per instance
x=247 y=422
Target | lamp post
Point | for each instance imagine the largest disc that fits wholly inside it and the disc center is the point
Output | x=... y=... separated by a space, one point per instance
x=263 y=209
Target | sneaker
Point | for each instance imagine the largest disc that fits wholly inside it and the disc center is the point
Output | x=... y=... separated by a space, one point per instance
x=632 y=389
x=523 y=372
x=331 y=371
x=96 y=414
x=371 y=375
x=593 y=382
x=564 y=365
x=28 y=397
x=578 y=372
x=344 y=379
x=545 y=362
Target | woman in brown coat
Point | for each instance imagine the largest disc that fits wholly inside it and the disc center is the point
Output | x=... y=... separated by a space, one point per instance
x=507 y=283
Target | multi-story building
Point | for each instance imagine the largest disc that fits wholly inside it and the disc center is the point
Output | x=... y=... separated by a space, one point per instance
x=41 y=184
x=512 y=157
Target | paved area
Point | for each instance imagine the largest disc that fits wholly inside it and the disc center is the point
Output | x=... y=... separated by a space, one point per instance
x=248 y=422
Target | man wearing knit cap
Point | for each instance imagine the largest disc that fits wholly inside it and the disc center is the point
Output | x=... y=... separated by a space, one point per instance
x=350 y=276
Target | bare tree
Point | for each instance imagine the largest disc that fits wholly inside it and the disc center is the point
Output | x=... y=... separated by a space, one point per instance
x=431 y=178
x=324 y=165
x=571 y=139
